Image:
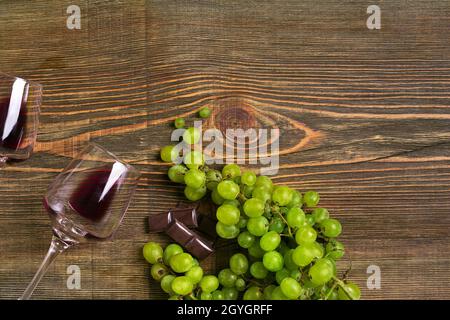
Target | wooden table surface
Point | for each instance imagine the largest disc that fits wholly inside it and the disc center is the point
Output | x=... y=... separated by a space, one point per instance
x=364 y=118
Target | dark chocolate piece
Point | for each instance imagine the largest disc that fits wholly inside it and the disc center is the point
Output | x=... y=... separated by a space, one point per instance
x=160 y=222
x=199 y=247
x=179 y=232
x=207 y=225
x=188 y=216
x=190 y=240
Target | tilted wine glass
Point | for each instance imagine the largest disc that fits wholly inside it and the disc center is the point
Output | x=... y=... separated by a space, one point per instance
x=86 y=202
x=20 y=102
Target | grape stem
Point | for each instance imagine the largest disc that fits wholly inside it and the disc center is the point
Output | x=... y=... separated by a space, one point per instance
x=285 y=221
x=330 y=291
x=342 y=285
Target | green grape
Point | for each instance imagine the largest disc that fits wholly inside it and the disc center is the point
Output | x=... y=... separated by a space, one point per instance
x=209 y=283
x=240 y=284
x=258 y=226
x=179 y=123
x=335 y=249
x=303 y=255
x=318 y=250
x=349 y=291
x=227 y=231
x=264 y=181
x=295 y=217
x=321 y=272
x=305 y=235
x=182 y=285
x=158 y=271
x=254 y=207
x=237 y=180
x=218 y=295
x=205 y=112
x=320 y=214
x=168 y=153
x=277 y=294
x=174 y=298
x=235 y=203
x=206 y=296
x=166 y=284
x=248 y=178
x=231 y=171
x=253 y=293
x=227 y=278
x=228 y=214
x=181 y=262
x=176 y=173
x=331 y=228
x=262 y=193
x=216 y=198
x=213 y=177
x=239 y=264
x=195 y=274
x=277 y=225
x=247 y=190
x=255 y=250
x=270 y=241
x=309 y=220
x=296 y=200
x=230 y=293
x=228 y=189
x=242 y=222
x=195 y=262
x=291 y=288
x=153 y=252
x=273 y=261
x=246 y=239
x=281 y=274
x=288 y=261
x=311 y=198
x=282 y=195
x=296 y=274
x=191 y=135
x=195 y=178
x=193 y=194
x=194 y=159
x=258 y=270
x=268 y=292
x=171 y=250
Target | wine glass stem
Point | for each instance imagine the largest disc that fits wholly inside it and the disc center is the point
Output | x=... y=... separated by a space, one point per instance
x=56 y=247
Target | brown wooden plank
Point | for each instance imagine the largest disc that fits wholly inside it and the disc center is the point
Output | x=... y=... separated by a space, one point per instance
x=363 y=116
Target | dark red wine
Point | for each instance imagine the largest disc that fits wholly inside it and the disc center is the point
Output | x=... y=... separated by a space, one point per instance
x=12 y=123
x=93 y=196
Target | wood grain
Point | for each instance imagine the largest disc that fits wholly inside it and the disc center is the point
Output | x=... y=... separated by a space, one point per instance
x=363 y=115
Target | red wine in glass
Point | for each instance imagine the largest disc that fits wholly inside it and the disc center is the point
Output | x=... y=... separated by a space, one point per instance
x=93 y=197
x=86 y=202
x=20 y=102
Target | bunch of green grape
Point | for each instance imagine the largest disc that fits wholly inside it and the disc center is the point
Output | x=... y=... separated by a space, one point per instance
x=181 y=276
x=289 y=246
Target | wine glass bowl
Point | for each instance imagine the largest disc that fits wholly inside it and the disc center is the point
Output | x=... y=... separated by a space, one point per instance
x=87 y=201
x=20 y=102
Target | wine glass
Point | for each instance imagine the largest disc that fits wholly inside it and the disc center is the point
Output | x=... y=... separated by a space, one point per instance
x=86 y=202
x=20 y=101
